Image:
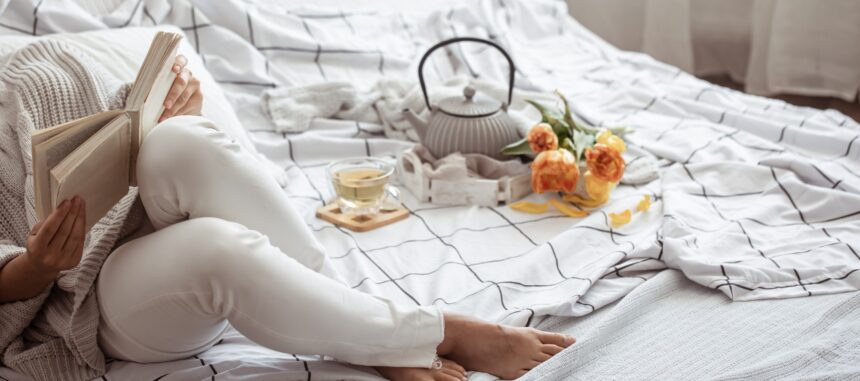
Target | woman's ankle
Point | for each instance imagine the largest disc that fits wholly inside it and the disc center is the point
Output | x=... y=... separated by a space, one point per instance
x=449 y=340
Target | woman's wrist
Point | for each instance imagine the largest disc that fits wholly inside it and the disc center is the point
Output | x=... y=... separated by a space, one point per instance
x=38 y=270
x=23 y=277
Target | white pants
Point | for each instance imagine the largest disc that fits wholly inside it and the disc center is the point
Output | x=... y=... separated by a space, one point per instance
x=229 y=247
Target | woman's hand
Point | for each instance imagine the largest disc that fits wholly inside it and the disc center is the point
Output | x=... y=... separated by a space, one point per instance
x=184 y=97
x=54 y=244
x=57 y=242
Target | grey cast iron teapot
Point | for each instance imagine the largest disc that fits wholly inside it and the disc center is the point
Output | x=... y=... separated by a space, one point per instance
x=469 y=124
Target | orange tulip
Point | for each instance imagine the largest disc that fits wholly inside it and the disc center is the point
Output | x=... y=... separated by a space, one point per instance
x=542 y=138
x=605 y=163
x=555 y=170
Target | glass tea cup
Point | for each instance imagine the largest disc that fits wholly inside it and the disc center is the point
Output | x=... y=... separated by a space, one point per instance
x=361 y=185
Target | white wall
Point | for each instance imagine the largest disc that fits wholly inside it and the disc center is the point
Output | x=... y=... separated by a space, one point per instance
x=774 y=46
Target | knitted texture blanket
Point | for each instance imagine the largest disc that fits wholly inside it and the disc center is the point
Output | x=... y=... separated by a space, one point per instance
x=53 y=336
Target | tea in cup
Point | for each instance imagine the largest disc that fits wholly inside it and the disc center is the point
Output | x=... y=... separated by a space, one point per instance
x=361 y=185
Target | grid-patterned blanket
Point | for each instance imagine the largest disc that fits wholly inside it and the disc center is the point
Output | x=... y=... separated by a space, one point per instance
x=757 y=198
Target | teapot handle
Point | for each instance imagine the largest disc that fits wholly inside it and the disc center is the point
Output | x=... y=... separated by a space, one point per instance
x=461 y=39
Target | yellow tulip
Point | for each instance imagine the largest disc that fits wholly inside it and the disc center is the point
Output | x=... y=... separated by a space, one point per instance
x=530 y=207
x=619 y=219
x=608 y=138
x=597 y=188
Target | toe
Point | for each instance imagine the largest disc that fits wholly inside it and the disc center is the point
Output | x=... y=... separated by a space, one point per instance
x=551 y=349
x=446 y=377
x=453 y=365
x=541 y=356
x=556 y=338
x=454 y=373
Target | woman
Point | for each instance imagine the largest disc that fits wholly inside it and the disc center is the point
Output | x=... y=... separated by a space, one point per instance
x=210 y=240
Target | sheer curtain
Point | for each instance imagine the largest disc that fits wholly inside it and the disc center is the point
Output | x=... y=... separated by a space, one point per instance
x=772 y=46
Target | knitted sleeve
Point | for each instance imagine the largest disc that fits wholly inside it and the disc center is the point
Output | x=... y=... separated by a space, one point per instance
x=16 y=316
x=117 y=101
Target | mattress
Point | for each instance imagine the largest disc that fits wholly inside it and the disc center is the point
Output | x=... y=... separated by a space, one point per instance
x=745 y=182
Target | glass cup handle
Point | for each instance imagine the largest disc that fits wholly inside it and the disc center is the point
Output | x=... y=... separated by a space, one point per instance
x=392 y=198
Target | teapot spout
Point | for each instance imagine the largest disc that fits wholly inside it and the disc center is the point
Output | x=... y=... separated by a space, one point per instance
x=416 y=121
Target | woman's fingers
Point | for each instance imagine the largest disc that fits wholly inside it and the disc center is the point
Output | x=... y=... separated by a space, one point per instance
x=51 y=224
x=65 y=228
x=35 y=229
x=179 y=85
x=193 y=106
x=186 y=95
x=179 y=63
x=78 y=233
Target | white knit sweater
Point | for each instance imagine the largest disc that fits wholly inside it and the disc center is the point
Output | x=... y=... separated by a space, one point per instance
x=53 y=336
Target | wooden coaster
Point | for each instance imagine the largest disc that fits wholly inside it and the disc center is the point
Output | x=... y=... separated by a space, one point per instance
x=332 y=213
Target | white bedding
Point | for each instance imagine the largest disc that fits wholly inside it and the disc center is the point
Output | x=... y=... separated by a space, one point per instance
x=757 y=199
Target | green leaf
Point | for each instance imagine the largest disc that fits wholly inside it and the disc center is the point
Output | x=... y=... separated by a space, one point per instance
x=568 y=118
x=581 y=141
x=541 y=109
x=567 y=144
x=619 y=131
x=552 y=118
x=520 y=147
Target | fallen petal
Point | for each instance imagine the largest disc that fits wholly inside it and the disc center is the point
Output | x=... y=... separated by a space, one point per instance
x=645 y=204
x=567 y=209
x=530 y=207
x=620 y=219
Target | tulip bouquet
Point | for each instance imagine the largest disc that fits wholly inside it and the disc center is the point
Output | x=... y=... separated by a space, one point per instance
x=561 y=145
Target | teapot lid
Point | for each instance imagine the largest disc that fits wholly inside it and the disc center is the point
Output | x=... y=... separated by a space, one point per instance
x=469 y=106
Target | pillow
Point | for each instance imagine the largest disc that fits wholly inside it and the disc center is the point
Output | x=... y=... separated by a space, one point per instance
x=122 y=51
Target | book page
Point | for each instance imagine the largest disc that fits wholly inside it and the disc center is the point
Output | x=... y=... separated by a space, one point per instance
x=51 y=145
x=153 y=107
x=45 y=134
x=146 y=101
x=98 y=170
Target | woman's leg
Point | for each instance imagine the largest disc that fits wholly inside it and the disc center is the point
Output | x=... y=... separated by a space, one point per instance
x=189 y=169
x=169 y=295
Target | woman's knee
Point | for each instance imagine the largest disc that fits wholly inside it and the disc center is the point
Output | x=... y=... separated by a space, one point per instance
x=177 y=144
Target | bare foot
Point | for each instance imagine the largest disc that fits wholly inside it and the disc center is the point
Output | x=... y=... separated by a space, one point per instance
x=450 y=371
x=506 y=352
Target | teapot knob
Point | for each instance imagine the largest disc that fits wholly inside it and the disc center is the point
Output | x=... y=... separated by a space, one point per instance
x=469 y=92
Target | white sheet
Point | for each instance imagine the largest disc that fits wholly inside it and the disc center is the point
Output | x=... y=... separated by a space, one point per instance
x=746 y=181
x=669 y=328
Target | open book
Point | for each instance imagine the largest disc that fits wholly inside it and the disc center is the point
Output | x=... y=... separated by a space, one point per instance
x=95 y=157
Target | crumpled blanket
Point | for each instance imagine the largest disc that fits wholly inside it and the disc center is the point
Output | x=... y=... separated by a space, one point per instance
x=292 y=109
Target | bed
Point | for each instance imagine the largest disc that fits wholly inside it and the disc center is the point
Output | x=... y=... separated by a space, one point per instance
x=745 y=266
